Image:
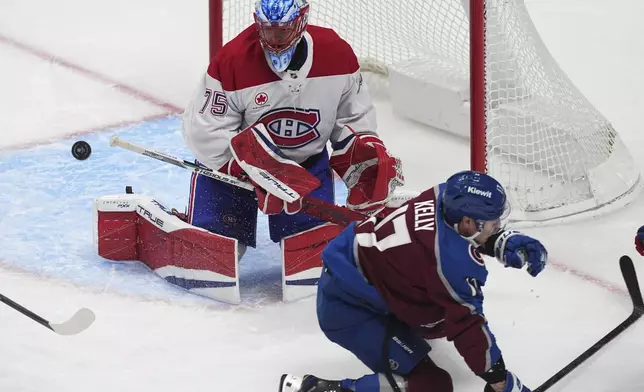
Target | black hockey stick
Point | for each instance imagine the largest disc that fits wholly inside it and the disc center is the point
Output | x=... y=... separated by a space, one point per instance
x=630 y=278
x=79 y=322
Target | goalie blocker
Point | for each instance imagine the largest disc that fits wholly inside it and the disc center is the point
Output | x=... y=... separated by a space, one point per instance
x=135 y=227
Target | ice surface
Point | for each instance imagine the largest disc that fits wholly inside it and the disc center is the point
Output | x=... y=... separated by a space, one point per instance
x=149 y=336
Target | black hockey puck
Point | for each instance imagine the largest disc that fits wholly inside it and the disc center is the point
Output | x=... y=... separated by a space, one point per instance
x=128 y=190
x=81 y=150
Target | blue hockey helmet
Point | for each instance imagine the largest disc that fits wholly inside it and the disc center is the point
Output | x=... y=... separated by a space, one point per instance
x=281 y=24
x=475 y=195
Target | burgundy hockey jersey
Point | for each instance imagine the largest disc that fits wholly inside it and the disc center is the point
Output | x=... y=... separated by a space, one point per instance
x=429 y=276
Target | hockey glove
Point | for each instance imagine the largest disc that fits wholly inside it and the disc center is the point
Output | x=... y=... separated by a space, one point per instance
x=232 y=168
x=512 y=384
x=639 y=241
x=368 y=170
x=514 y=249
x=280 y=183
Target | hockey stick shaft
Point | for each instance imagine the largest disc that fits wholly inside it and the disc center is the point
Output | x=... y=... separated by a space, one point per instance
x=310 y=205
x=116 y=141
x=24 y=311
x=630 y=278
x=81 y=320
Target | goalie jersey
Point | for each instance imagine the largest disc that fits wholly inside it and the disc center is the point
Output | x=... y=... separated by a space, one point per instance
x=303 y=108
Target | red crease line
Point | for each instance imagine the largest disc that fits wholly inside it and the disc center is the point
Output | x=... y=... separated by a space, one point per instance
x=168 y=107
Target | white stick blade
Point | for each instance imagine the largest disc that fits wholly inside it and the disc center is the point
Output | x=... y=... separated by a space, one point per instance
x=78 y=323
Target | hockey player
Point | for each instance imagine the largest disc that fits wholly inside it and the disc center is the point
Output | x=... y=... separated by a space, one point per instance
x=271 y=99
x=389 y=284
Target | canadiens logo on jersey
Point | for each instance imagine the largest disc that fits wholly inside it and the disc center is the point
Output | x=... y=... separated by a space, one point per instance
x=292 y=127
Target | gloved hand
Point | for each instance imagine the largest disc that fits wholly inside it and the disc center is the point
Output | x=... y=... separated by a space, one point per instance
x=232 y=168
x=266 y=202
x=511 y=384
x=368 y=170
x=639 y=241
x=280 y=183
x=514 y=249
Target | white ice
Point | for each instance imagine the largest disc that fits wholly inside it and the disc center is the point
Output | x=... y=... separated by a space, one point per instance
x=73 y=67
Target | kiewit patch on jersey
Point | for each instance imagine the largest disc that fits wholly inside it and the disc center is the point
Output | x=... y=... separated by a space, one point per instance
x=292 y=127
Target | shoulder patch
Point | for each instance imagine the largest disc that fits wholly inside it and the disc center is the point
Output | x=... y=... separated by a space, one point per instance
x=476 y=255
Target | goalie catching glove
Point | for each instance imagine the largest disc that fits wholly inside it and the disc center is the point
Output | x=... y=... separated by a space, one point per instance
x=280 y=183
x=368 y=170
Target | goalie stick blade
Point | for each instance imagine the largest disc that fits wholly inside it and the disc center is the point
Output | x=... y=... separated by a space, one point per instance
x=78 y=323
x=630 y=278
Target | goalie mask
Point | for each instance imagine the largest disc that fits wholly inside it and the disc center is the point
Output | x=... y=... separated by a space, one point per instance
x=281 y=24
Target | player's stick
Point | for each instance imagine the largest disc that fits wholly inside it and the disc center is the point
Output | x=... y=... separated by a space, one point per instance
x=78 y=323
x=310 y=205
x=630 y=277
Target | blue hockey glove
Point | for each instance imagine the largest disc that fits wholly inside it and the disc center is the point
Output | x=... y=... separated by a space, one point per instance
x=515 y=250
x=512 y=384
x=639 y=241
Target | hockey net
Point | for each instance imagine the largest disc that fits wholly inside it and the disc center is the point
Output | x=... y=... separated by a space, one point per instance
x=538 y=135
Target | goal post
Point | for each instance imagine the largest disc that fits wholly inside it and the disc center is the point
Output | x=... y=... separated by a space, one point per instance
x=479 y=69
x=478 y=140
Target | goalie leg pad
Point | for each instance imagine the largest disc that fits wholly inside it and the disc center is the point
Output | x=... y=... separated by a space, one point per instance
x=223 y=209
x=134 y=227
x=302 y=260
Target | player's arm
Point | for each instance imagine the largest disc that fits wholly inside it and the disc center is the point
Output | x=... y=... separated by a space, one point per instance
x=465 y=323
x=514 y=249
x=467 y=327
x=280 y=183
x=211 y=120
x=359 y=156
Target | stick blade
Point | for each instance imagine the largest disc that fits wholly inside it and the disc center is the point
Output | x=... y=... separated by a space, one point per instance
x=630 y=278
x=78 y=323
x=114 y=139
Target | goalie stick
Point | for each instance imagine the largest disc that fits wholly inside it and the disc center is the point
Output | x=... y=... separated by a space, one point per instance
x=630 y=278
x=79 y=322
x=311 y=206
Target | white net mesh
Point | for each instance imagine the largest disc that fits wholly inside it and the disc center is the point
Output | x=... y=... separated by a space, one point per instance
x=554 y=152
